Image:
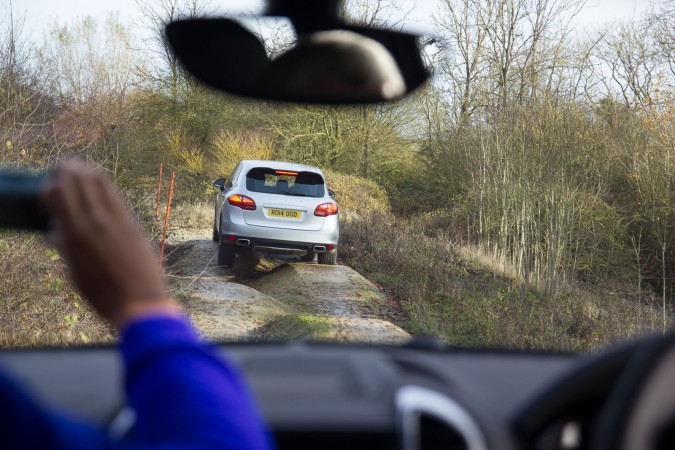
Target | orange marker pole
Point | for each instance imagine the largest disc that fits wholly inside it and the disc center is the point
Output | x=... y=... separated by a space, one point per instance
x=166 y=218
x=159 y=190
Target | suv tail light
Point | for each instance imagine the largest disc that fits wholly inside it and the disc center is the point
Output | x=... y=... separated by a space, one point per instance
x=242 y=201
x=326 y=209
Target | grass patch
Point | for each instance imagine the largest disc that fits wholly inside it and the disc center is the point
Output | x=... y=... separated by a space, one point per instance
x=197 y=215
x=298 y=326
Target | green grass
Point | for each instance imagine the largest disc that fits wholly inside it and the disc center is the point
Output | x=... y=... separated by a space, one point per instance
x=297 y=326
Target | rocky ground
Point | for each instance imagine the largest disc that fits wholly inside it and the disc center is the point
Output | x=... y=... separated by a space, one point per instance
x=276 y=298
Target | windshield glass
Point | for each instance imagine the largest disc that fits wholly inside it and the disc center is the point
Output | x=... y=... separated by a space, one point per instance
x=524 y=198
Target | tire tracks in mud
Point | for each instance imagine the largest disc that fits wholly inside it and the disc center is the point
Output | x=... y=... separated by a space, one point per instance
x=293 y=300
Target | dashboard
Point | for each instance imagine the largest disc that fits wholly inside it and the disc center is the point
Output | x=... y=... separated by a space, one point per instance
x=377 y=397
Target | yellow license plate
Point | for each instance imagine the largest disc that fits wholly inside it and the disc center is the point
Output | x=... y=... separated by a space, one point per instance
x=285 y=213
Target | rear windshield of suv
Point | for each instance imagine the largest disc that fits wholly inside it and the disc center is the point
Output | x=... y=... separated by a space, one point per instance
x=285 y=182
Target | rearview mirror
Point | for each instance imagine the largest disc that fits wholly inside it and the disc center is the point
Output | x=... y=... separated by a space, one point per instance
x=331 y=194
x=337 y=64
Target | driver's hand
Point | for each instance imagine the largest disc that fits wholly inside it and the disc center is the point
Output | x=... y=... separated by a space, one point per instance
x=110 y=262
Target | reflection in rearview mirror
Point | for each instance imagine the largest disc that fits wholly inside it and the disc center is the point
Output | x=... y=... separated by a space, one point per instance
x=334 y=65
x=345 y=65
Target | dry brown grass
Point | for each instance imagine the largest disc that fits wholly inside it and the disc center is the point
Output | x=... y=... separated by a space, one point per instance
x=197 y=215
x=39 y=306
x=465 y=298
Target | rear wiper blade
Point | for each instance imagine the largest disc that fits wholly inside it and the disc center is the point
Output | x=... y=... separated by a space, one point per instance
x=296 y=195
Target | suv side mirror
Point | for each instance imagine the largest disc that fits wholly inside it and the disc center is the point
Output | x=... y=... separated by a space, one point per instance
x=331 y=194
x=220 y=184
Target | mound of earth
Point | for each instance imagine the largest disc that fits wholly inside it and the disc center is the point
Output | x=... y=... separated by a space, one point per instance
x=330 y=302
x=230 y=311
x=220 y=308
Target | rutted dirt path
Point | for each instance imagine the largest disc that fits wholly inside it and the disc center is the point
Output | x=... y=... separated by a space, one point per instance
x=351 y=307
x=292 y=301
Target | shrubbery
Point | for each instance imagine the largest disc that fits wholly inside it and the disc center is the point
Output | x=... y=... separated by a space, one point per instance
x=469 y=298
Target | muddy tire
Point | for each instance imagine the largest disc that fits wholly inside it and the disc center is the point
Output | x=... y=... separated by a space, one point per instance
x=309 y=257
x=216 y=234
x=328 y=257
x=226 y=254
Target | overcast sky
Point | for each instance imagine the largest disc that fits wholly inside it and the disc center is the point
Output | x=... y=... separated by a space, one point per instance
x=40 y=12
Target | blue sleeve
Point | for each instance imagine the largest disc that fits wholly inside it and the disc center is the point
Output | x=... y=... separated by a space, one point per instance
x=184 y=396
x=26 y=424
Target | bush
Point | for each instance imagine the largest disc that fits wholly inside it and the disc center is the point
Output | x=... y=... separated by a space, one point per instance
x=357 y=197
x=230 y=148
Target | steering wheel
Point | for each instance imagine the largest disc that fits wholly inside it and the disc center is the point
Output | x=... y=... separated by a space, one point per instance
x=577 y=396
x=640 y=414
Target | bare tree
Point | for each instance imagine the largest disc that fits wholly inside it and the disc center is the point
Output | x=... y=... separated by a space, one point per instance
x=89 y=61
x=663 y=22
x=90 y=71
x=523 y=40
x=464 y=26
x=382 y=14
x=628 y=63
x=163 y=70
x=24 y=104
x=504 y=50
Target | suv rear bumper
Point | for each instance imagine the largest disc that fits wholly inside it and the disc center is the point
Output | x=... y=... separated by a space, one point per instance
x=276 y=246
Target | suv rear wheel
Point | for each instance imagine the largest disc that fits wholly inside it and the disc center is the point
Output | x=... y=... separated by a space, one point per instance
x=226 y=254
x=329 y=257
x=216 y=233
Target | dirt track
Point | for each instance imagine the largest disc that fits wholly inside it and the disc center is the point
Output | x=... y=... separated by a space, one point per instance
x=280 y=299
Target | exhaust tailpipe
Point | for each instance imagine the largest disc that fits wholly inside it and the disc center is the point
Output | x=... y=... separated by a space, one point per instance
x=243 y=242
x=320 y=248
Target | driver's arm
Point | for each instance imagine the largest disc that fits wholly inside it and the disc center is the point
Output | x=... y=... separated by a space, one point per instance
x=185 y=396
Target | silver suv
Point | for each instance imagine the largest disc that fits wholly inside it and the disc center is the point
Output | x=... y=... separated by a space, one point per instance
x=278 y=207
